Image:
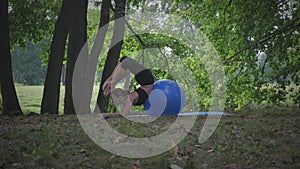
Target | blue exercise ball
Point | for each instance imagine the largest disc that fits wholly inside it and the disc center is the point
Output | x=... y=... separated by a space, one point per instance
x=166 y=98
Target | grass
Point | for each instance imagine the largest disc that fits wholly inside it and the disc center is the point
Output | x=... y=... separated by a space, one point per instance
x=246 y=140
x=30 y=98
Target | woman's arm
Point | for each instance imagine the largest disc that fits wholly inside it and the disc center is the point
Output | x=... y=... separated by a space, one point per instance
x=118 y=74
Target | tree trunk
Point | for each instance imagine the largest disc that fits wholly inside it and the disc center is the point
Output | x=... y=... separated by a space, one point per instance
x=114 y=51
x=299 y=101
x=11 y=104
x=86 y=67
x=50 y=99
x=77 y=38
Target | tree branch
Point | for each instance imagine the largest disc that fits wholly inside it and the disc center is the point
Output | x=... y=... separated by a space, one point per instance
x=131 y=29
x=135 y=34
x=266 y=38
x=166 y=58
x=280 y=4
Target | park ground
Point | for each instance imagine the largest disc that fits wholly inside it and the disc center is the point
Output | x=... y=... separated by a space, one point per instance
x=262 y=138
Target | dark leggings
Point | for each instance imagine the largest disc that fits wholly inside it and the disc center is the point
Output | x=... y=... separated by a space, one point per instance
x=142 y=75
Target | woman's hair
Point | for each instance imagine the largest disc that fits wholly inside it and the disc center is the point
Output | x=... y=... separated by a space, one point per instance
x=118 y=92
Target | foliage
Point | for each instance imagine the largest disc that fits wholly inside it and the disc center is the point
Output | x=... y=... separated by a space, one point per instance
x=240 y=31
x=31 y=73
x=33 y=20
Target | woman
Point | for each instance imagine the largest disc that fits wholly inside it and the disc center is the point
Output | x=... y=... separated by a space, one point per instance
x=138 y=97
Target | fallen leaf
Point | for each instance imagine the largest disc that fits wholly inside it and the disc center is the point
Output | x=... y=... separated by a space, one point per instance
x=174 y=151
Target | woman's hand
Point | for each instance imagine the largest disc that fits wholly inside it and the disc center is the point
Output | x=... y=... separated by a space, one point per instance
x=118 y=74
x=107 y=86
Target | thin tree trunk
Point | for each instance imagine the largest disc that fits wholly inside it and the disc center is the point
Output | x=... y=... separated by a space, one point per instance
x=77 y=38
x=50 y=99
x=86 y=67
x=11 y=104
x=114 y=52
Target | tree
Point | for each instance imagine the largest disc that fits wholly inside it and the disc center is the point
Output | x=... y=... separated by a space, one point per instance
x=11 y=104
x=67 y=22
x=1 y=104
x=77 y=39
x=52 y=83
x=114 y=51
x=240 y=31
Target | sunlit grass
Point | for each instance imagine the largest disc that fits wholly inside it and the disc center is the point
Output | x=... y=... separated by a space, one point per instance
x=30 y=98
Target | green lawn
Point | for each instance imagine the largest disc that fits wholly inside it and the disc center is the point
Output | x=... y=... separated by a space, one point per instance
x=30 y=97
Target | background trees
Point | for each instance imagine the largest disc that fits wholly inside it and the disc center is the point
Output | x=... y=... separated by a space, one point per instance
x=241 y=32
x=33 y=72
